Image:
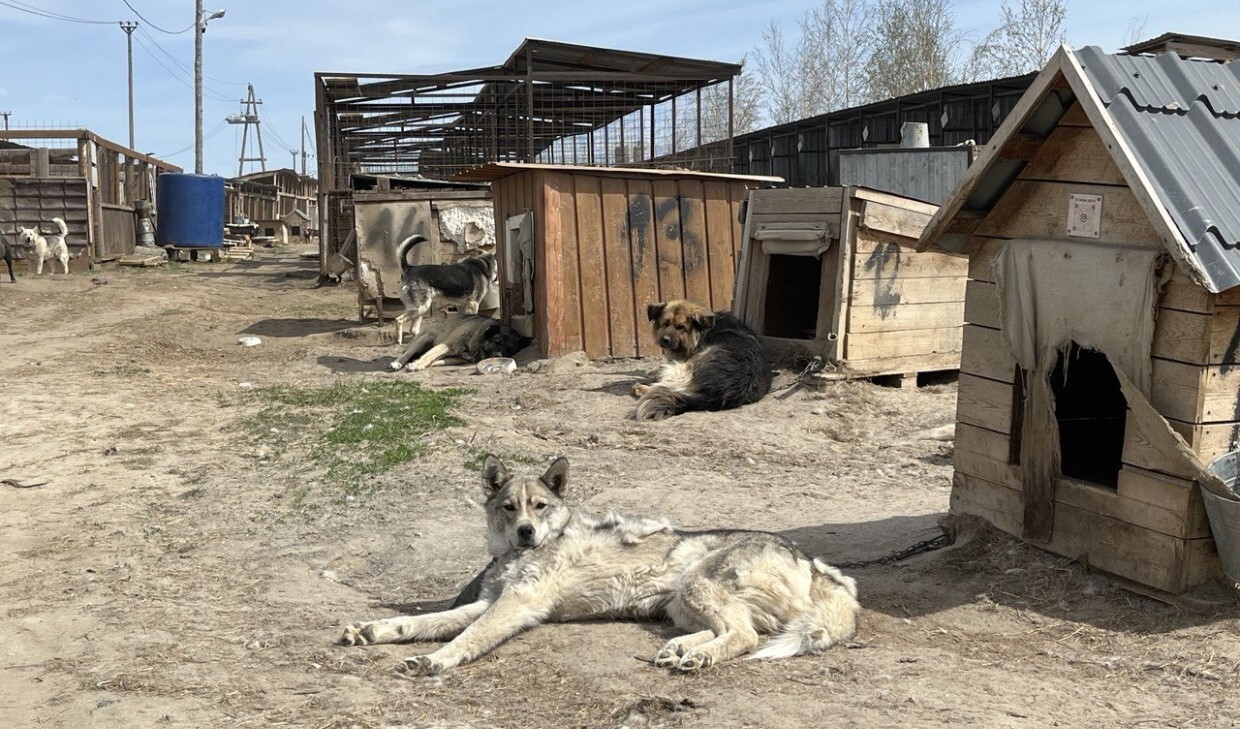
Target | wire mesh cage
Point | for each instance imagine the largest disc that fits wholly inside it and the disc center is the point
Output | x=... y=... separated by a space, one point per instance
x=550 y=102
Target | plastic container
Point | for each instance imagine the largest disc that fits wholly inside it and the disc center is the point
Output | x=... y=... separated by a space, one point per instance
x=497 y=366
x=191 y=210
x=1225 y=514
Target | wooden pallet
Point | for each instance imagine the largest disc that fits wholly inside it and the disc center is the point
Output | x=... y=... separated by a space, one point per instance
x=141 y=260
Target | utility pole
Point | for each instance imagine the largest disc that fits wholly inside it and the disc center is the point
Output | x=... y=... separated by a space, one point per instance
x=303 y=145
x=128 y=27
x=200 y=27
x=5 y=114
x=249 y=116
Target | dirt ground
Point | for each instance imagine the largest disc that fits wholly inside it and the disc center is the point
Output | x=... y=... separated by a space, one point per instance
x=175 y=572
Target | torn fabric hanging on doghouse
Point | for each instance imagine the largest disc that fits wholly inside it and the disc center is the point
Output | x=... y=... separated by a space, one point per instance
x=1054 y=294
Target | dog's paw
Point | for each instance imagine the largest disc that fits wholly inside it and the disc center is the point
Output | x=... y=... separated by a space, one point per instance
x=694 y=660
x=668 y=656
x=422 y=666
x=414 y=367
x=355 y=634
x=396 y=366
x=639 y=390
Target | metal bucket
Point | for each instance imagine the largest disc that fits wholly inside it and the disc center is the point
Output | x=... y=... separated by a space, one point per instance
x=1225 y=513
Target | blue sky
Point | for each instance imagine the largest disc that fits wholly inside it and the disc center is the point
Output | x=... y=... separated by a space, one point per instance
x=65 y=74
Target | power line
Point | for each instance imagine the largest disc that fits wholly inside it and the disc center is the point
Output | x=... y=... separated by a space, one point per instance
x=23 y=7
x=179 y=77
x=214 y=131
x=216 y=93
x=181 y=63
x=156 y=27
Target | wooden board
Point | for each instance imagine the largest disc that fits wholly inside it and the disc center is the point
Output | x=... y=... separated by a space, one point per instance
x=720 y=231
x=595 y=323
x=621 y=309
x=785 y=200
x=905 y=317
x=1039 y=211
x=984 y=403
x=1073 y=154
x=693 y=242
x=895 y=220
x=645 y=260
x=1198 y=338
x=911 y=364
x=667 y=240
x=985 y=353
x=570 y=277
x=887 y=258
x=882 y=345
x=982 y=256
x=865 y=292
x=982 y=304
x=1147 y=556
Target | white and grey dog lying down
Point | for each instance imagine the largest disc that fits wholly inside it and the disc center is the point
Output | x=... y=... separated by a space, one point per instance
x=462 y=338
x=553 y=562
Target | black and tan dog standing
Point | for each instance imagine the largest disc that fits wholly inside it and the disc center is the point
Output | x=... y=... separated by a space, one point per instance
x=714 y=362
x=464 y=283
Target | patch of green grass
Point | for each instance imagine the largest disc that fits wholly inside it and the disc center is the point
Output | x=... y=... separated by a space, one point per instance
x=354 y=429
x=477 y=455
x=121 y=370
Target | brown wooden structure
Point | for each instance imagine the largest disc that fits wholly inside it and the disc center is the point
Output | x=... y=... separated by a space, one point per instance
x=80 y=177
x=584 y=249
x=1105 y=161
x=284 y=204
x=835 y=271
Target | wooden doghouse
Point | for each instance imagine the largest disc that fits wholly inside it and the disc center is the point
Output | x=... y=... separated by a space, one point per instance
x=835 y=271
x=583 y=250
x=1102 y=318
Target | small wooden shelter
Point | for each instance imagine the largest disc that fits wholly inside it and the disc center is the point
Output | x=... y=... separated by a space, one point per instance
x=835 y=271
x=582 y=250
x=1102 y=314
x=75 y=175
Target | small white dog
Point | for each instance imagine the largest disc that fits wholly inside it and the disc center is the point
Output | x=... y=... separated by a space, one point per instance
x=45 y=247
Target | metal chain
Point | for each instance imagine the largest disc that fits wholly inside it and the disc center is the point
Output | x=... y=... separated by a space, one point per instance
x=928 y=545
x=815 y=365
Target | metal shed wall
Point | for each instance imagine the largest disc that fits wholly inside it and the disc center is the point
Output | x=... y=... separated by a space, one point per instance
x=927 y=174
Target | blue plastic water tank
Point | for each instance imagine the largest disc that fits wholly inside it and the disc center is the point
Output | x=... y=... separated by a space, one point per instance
x=190 y=209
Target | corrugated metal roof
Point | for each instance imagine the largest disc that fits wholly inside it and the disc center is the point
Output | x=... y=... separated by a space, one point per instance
x=928 y=174
x=499 y=170
x=1181 y=122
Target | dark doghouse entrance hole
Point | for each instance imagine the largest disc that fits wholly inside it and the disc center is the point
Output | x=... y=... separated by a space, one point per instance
x=1090 y=410
x=792 y=290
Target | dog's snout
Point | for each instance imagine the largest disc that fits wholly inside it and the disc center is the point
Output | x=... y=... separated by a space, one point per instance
x=525 y=531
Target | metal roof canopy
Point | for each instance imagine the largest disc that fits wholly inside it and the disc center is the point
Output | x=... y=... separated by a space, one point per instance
x=546 y=92
x=1172 y=128
x=499 y=170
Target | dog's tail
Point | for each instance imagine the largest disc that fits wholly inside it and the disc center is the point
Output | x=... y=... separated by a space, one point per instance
x=672 y=395
x=64 y=229
x=831 y=618
x=402 y=251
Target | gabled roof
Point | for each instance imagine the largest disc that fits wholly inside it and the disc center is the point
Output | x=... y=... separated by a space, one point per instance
x=1173 y=129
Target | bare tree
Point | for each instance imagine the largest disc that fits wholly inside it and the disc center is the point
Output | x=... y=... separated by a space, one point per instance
x=1136 y=29
x=746 y=107
x=1025 y=38
x=780 y=72
x=913 y=42
x=835 y=50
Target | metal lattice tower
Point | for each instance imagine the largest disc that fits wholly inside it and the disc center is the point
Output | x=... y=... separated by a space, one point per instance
x=248 y=117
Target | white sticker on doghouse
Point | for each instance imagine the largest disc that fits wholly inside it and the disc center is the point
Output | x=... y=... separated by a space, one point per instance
x=1085 y=216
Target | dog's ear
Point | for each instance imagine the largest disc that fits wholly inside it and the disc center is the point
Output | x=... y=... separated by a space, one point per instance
x=556 y=477
x=494 y=475
x=654 y=311
x=703 y=320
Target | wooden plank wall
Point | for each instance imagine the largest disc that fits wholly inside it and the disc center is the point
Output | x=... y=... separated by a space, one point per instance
x=32 y=202
x=906 y=309
x=1152 y=526
x=624 y=242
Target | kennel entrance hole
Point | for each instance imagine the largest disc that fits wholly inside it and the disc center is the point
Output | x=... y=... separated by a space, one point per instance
x=1090 y=410
x=793 y=287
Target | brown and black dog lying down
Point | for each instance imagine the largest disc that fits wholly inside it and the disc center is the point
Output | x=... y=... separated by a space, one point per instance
x=714 y=362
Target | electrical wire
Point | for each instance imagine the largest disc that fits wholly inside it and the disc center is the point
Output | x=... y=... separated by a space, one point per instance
x=180 y=77
x=214 y=131
x=156 y=27
x=181 y=63
x=25 y=8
